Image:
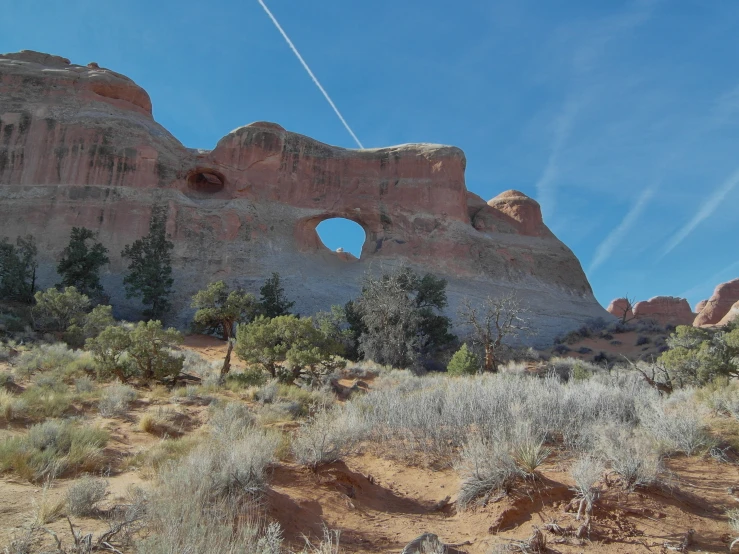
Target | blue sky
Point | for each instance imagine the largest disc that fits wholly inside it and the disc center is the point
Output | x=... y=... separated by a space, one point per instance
x=620 y=117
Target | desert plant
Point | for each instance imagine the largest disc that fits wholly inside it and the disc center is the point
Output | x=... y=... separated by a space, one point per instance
x=230 y=420
x=115 y=400
x=80 y=263
x=586 y=472
x=486 y=468
x=398 y=318
x=149 y=273
x=463 y=362
x=492 y=322
x=527 y=448
x=52 y=448
x=18 y=269
x=84 y=494
x=272 y=299
x=84 y=384
x=44 y=357
x=219 y=309
x=327 y=436
x=631 y=454
x=56 y=310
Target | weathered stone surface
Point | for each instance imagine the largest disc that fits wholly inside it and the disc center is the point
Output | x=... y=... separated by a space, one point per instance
x=79 y=147
x=699 y=306
x=665 y=310
x=731 y=315
x=724 y=297
x=620 y=307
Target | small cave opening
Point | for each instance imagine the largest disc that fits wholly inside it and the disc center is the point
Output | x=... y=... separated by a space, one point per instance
x=342 y=236
x=205 y=180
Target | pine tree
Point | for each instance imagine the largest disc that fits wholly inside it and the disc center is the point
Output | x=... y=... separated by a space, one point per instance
x=80 y=264
x=272 y=300
x=150 y=269
x=18 y=269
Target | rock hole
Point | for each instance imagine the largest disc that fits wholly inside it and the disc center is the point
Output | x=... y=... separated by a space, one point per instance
x=342 y=236
x=205 y=180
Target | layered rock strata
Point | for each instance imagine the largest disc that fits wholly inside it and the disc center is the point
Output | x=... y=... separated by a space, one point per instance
x=79 y=147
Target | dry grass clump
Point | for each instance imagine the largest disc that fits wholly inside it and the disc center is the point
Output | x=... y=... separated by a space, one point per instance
x=486 y=469
x=327 y=436
x=162 y=422
x=116 y=399
x=84 y=494
x=53 y=448
x=631 y=454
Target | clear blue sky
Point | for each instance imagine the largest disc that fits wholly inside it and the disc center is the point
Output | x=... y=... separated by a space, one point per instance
x=620 y=117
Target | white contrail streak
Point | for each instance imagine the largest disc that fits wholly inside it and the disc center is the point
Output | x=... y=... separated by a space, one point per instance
x=614 y=238
x=705 y=211
x=305 y=66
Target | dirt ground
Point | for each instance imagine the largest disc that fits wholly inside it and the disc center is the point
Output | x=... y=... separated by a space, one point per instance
x=380 y=505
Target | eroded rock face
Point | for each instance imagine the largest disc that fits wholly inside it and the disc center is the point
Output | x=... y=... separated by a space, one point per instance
x=79 y=147
x=699 y=306
x=724 y=297
x=731 y=315
x=665 y=310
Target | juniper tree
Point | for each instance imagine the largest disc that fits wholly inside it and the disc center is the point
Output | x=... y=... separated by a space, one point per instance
x=18 y=269
x=150 y=268
x=272 y=299
x=81 y=262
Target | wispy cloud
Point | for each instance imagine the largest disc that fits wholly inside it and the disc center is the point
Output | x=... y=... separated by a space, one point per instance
x=704 y=212
x=545 y=186
x=312 y=76
x=715 y=279
x=616 y=236
x=584 y=60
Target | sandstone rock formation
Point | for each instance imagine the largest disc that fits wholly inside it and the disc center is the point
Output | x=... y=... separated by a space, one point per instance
x=721 y=302
x=665 y=310
x=79 y=147
x=731 y=315
x=621 y=308
x=699 y=306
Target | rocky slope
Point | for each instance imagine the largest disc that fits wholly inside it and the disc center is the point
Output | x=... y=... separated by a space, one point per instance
x=79 y=147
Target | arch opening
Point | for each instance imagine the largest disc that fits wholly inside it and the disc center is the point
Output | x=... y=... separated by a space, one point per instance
x=205 y=180
x=342 y=236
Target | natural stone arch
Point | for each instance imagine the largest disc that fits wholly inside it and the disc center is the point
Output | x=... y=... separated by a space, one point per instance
x=308 y=239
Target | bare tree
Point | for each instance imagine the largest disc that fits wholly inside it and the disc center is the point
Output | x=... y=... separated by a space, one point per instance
x=494 y=319
x=628 y=310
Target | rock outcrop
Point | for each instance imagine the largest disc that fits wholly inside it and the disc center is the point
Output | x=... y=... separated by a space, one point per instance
x=621 y=308
x=79 y=147
x=665 y=310
x=721 y=302
x=732 y=315
x=699 y=306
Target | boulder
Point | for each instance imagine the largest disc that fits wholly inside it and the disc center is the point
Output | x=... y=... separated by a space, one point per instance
x=665 y=310
x=721 y=302
x=79 y=147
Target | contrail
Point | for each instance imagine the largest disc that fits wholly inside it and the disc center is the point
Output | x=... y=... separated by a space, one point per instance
x=708 y=207
x=305 y=65
x=614 y=238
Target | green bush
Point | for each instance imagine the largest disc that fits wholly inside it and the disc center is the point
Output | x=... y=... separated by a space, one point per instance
x=463 y=362
x=53 y=448
x=142 y=350
x=56 y=310
x=218 y=309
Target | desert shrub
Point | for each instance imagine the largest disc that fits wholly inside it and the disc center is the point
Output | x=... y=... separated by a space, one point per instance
x=56 y=310
x=143 y=350
x=268 y=393
x=11 y=407
x=647 y=326
x=463 y=362
x=218 y=309
x=584 y=350
x=327 y=436
x=247 y=378
x=678 y=428
x=115 y=400
x=84 y=384
x=580 y=372
x=166 y=451
x=586 y=472
x=84 y=494
x=44 y=357
x=631 y=454
x=642 y=340
x=230 y=419
x=486 y=468
x=42 y=403
x=53 y=448
x=560 y=349
x=527 y=448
